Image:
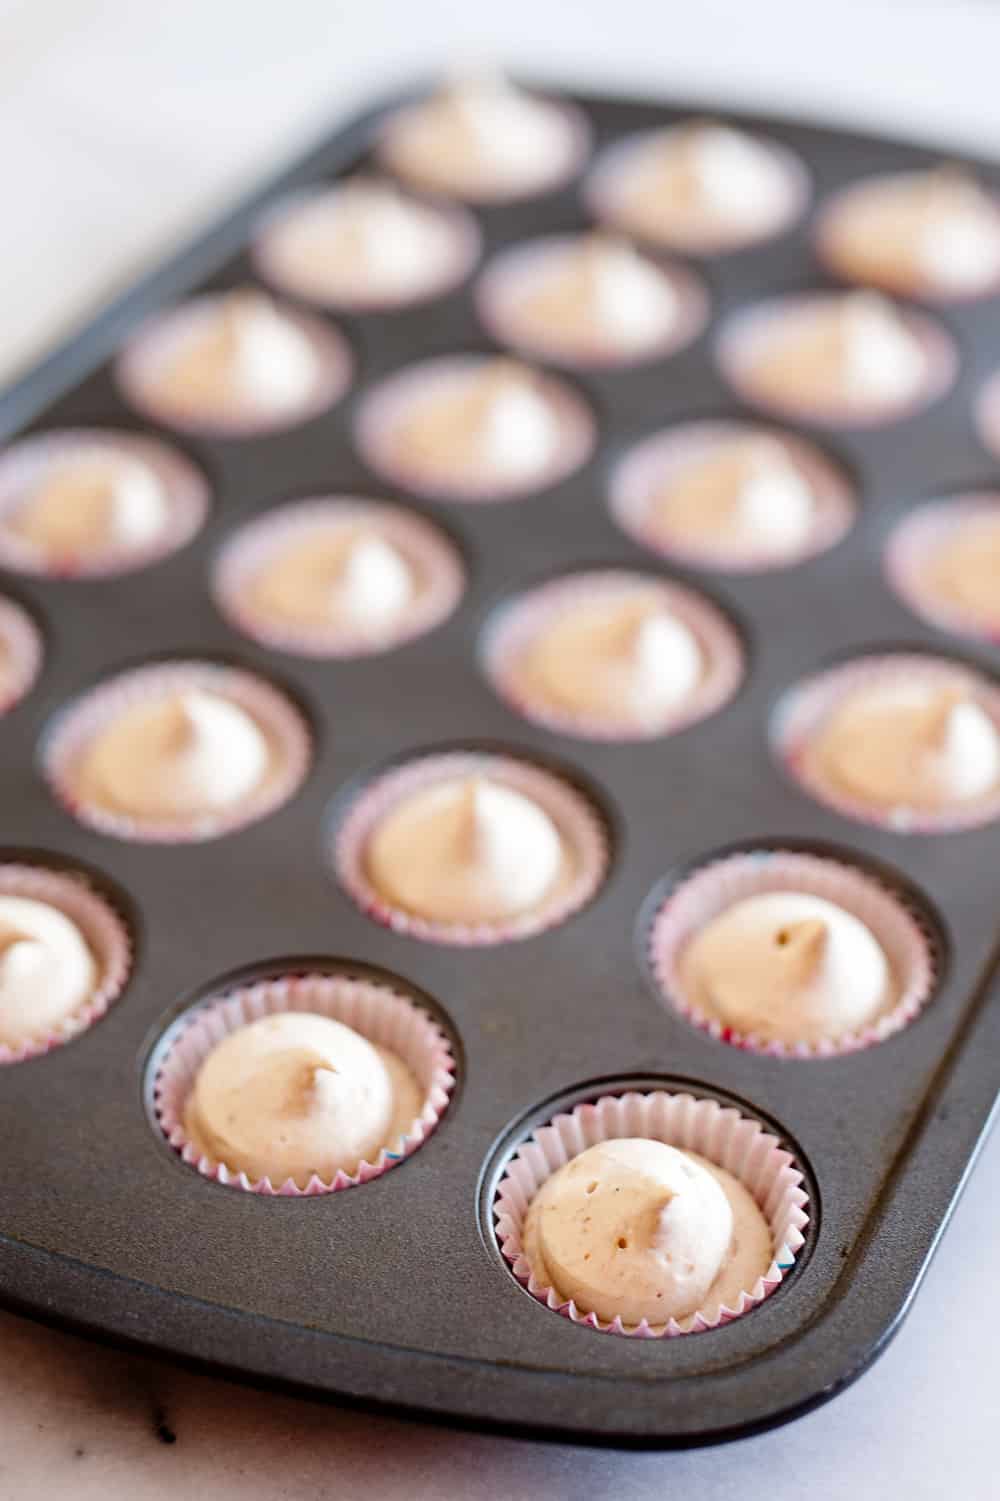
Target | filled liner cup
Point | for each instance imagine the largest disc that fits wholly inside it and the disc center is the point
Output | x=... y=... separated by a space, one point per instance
x=105 y=932
x=716 y=1132
x=714 y=888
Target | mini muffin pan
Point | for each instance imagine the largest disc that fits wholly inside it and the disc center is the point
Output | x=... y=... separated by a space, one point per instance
x=395 y=1292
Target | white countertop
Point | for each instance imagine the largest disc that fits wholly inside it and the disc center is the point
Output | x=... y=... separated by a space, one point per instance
x=123 y=126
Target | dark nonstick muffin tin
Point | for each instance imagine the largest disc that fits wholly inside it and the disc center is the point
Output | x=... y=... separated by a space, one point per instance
x=395 y=1292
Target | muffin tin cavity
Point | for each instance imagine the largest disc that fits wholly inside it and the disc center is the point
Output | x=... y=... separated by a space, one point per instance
x=234 y=365
x=92 y=502
x=590 y=301
x=474 y=428
x=66 y=955
x=687 y=188
x=337 y=576
x=485 y=140
x=836 y=359
x=176 y=752
x=613 y=655
x=499 y=847
x=933 y=234
x=382 y=1010
x=943 y=560
x=804 y=963
x=362 y=246
x=735 y=496
x=907 y=741
x=719 y=1133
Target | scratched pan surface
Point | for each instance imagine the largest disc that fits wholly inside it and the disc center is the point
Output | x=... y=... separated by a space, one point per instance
x=395 y=1293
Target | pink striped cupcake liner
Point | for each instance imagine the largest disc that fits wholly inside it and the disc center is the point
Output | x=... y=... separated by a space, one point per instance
x=441 y=576
x=515 y=273
x=716 y=1132
x=748 y=333
x=509 y=637
x=20 y=654
x=803 y=712
x=269 y=253
x=577 y=820
x=104 y=931
x=697 y=900
x=405 y=393
x=140 y=365
x=647 y=470
x=27 y=463
x=382 y=1014
x=68 y=743
x=606 y=195
x=912 y=547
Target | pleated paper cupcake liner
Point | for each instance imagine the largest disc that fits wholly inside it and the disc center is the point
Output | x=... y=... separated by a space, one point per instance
x=717 y=1132
x=106 y=935
x=384 y=1016
x=898 y=927
x=912 y=548
x=69 y=741
x=645 y=472
x=509 y=638
x=749 y=333
x=441 y=577
x=800 y=717
x=517 y=273
x=269 y=255
x=20 y=654
x=606 y=193
x=27 y=463
x=140 y=366
x=578 y=822
x=400 y=396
